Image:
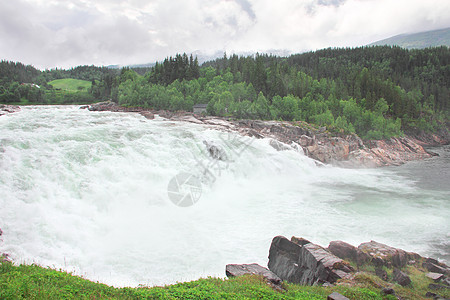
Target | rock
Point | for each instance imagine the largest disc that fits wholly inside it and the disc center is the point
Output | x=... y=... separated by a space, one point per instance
x=299 y=241
x=215 y=151
x=388 y=291
x=84 y=107
x=381 y=273
x=346 y=251
x=435 y=287
x=433 y=265
x=305 y=264
x=1 y=232
x=383 y=255
x=8 y=109
x=435 y=276
x=279 y=146
x=336 y=296
x=283 y=259
x=446 y=281
x=103 y=106
x=235 y=270
x=434 y=296
x=401 y=278
x=147 y=114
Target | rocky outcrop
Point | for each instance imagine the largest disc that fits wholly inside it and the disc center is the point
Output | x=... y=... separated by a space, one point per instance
x=235 y=270
x=8 y=109
x=305 y=264
x=384 y=255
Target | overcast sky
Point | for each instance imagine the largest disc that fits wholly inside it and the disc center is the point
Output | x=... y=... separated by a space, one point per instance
x=66 y=33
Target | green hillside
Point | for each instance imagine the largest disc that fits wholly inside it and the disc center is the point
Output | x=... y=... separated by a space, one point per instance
x=418 y=40
x=69 y=84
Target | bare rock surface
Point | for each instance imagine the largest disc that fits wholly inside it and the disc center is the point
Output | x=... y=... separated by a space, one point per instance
x=234 y=270
x=305 y=264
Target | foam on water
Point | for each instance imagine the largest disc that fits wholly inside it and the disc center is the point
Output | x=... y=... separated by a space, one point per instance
x=87 y=192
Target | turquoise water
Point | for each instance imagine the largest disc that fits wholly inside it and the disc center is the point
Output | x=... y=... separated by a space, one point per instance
x=88 y=192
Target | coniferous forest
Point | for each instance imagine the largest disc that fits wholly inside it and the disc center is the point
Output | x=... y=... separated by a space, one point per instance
x=376 y=92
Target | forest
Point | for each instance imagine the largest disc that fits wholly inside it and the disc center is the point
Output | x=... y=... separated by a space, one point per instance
x=376 y=92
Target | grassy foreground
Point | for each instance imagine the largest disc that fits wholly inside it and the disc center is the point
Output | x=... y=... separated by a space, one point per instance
x=35 y=282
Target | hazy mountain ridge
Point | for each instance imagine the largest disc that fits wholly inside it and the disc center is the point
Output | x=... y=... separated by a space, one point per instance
x=420 y=40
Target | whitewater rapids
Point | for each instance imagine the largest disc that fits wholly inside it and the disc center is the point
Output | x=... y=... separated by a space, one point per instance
x=88 y=192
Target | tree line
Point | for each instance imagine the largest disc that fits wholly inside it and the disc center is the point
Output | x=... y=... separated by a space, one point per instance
x=372 y=91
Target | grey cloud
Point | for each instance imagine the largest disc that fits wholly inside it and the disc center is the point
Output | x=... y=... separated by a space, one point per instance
x=247 y=7
x=73 y=32
x=335 y=3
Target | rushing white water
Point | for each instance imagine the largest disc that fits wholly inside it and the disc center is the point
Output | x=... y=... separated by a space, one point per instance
x=87 y=192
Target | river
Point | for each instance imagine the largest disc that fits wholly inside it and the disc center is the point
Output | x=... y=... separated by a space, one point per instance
x=124 y=200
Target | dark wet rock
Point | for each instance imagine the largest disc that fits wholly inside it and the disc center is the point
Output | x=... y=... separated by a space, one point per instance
x=84 y=107
x=299 y=241
x=388 y=291
x=401 y=278
x=384 y=255
x=215 y=151
x=283 y=259
x=308 y=264
x=336 y=296
x=381 y=273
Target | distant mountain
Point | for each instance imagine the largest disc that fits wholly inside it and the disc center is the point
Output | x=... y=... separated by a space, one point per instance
x=148 y=65
x=420 y=40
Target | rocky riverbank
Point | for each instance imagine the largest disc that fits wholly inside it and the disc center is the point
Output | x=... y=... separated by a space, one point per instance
x=299 y=261
x=343 y=150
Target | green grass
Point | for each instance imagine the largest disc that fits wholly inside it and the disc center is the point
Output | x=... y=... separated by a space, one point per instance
x=70 y=84
x=35 y=282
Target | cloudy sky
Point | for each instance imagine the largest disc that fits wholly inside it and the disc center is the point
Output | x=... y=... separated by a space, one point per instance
x=66 y=33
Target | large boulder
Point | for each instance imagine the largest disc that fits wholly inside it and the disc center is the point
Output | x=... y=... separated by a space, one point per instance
x=346 y=251
x=384 y=255
x=401 y=278
x=283 y=259
x=305 y=264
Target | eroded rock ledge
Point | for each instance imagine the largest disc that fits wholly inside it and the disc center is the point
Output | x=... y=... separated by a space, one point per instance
x=299 y=261
x=344 y=150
